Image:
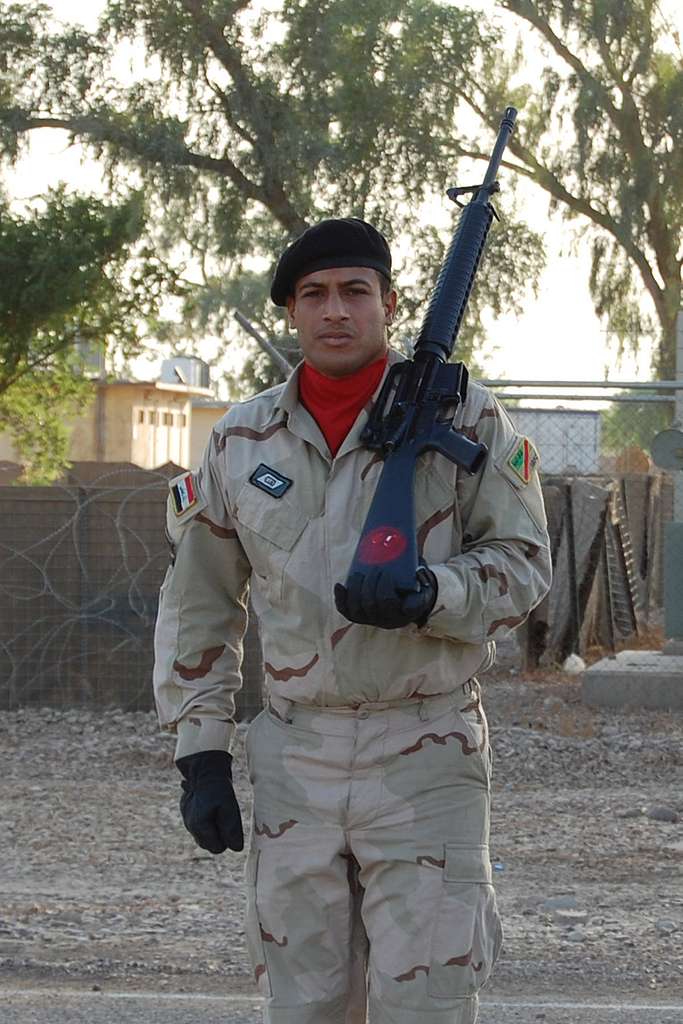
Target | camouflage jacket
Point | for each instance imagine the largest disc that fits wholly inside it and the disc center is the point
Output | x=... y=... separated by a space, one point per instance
x=271 y=510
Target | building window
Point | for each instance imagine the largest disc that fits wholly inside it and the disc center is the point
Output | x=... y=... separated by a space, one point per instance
x=168 y=419
x=182 y=419
x=152 y=417
x=141 y=415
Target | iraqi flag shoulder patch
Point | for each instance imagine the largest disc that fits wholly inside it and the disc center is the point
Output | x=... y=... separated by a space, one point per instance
x=524 y=459
x=183 y=493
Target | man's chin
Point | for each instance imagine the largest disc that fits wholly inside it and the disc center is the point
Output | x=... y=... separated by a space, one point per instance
x=339 y=367
x=341 y=361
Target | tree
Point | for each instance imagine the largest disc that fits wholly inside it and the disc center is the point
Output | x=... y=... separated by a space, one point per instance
x=634 y=424
x=67 y=274
x=35 y=413
x=244 y=127
x=601 y=136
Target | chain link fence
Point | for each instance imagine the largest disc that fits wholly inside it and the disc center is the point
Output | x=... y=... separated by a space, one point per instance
x=81 y=563
x=593 y=429
x=607 y=504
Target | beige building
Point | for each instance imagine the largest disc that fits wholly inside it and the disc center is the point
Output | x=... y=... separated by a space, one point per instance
x=147 y=423
x=205 y=413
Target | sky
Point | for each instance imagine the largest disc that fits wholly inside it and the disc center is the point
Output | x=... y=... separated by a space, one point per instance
x=557 y=338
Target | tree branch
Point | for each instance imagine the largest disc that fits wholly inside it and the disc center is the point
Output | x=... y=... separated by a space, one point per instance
x=526 y=10
x=536 y=171
x=273 y=188
x=99 y=130
x=233 y=122
x=626 y=119
x=96 y=129
x=30 y=365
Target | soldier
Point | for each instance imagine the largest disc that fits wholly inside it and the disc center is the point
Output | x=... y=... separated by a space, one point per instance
x=368 y=873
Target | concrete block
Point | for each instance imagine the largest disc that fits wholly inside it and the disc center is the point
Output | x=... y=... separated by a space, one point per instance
x=646 y=679
x=673 y=580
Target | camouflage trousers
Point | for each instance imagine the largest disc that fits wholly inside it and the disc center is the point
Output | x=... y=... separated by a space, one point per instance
x=368 y=875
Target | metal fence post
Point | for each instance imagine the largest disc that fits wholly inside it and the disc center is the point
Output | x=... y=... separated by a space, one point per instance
x=678 y=474
x=673 y=533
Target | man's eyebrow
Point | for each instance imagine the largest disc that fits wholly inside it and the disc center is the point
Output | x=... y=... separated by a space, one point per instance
x=347 y=281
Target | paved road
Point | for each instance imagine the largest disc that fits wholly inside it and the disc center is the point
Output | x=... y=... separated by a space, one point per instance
x=55 y=1006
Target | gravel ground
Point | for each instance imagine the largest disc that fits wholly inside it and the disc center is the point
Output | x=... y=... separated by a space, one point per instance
x=101 y=885
x=50 y=1006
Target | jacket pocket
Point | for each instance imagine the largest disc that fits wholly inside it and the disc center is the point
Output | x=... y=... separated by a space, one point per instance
x=268 y=530
x=467 y=934
x=252 y=925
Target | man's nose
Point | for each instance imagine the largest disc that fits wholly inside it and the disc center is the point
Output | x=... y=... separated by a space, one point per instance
x=335 y=307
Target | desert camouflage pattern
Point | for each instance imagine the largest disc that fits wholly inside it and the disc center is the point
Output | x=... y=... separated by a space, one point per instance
x=483 y=536
x=385 y=808
x=368 y=873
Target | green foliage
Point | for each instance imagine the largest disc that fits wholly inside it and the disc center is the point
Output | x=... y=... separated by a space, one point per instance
x=634 y=424
x=36 y=411
x=601 y=134
x=69 y=272
x=245 y=125
x=56 y=281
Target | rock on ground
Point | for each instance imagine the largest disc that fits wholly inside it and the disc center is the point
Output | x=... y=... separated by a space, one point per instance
x=101 y=882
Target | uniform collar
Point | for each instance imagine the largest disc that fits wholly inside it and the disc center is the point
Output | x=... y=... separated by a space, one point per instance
x=301 y=423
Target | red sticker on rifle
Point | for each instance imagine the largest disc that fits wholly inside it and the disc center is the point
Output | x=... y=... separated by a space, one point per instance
x=383 y=544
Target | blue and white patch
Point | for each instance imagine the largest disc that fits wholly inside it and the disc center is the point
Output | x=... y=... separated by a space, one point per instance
x=270 y=481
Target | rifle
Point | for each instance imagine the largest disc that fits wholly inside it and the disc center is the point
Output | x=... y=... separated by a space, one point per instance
x=415 y=409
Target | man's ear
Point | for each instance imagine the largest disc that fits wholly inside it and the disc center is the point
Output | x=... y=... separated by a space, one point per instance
x=390 y=302
x=291 y=311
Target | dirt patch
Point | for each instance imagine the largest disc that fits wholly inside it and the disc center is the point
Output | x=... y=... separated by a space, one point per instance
x=101 y=881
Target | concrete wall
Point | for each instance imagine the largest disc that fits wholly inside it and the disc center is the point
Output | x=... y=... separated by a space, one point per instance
x=159 y=428
x=81 y=567
x=83 y=444
x=203 y=420
x=131 y=422
x=7 y=450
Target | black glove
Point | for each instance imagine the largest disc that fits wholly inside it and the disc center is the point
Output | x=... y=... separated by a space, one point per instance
x=208 y=804
x=372 y=599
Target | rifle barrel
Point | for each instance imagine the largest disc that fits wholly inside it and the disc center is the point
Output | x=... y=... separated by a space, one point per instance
x=504 y=132
x=452 y=290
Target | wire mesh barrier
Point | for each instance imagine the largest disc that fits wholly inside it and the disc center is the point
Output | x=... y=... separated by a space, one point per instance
x=81 y=568
x=607 y=504
x=585 y=429
x=82 y=562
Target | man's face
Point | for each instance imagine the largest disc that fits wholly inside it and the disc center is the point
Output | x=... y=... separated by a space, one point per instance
x=341 y=318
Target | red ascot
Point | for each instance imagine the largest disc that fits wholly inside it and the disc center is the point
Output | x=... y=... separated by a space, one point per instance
x=335 y=402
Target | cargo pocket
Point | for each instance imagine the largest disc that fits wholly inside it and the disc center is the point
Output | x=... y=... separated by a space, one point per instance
x=473 y=720
x=268 y=529
x=467 y=935
x=252 y=926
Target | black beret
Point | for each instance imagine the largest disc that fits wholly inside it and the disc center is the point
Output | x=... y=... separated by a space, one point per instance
x=337 y=242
